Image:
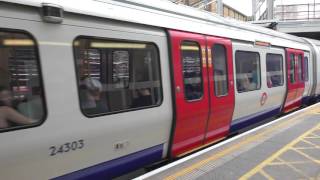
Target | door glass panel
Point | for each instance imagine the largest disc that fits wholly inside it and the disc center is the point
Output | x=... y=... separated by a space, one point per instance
x=300 y=70
x=192 y=75
x=220 y=70
x=305 y=66
x=292 y=69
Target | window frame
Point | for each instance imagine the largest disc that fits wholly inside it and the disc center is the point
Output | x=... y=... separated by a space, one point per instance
x=282 y=70
x=227 y=69
x=160 y=100
x=201 y=71
x=41 y=84
x=259 y=60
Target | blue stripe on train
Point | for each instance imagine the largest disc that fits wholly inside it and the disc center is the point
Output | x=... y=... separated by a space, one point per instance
x=306 y=100
x=117 y=167
x=246 y=121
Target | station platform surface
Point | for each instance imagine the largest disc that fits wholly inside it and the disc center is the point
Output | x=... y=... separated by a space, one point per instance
x=286 y=148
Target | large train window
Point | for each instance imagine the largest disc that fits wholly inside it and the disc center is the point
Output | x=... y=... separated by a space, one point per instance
x=300 y=70
x=292 y=71
x=274 y=70
x=21 y=93
x=248 y=71
x=192 y=74
x=115 y=76
x=220 y=70
x=305 y=66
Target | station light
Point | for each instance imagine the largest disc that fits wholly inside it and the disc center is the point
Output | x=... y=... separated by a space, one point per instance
x=18 y=42
x=116 y=45
x=190 y=48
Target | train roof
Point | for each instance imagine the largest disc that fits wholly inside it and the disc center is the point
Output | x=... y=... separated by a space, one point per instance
x=314 y=41
x=166 y=14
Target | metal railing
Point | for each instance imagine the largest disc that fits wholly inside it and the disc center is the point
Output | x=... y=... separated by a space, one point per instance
x=307 y=12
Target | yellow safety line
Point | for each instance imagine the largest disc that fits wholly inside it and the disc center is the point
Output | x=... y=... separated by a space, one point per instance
x=312 y=144
x=263 y=173
x=284 y=163
x=295 y=169
x=313 y=135
x=232 y=148
x=277 y=154
x=306 y=156
x=305 y=148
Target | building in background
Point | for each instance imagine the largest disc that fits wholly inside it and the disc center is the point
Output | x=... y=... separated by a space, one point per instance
x=212 y=6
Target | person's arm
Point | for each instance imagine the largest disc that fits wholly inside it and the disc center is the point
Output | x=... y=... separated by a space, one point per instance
x=14 y=116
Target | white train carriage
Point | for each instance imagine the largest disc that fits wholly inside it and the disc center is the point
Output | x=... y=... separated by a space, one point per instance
x=313 y=66
x=100 y=88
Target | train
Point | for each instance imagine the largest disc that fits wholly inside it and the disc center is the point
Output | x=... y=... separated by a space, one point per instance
x=94 y=89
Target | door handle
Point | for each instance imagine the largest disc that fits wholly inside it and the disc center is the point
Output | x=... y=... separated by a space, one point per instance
x=178 y=89
x=231 y=83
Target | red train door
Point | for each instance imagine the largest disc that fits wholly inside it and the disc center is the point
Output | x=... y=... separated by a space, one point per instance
x=294 y=79
x=221 y=83
x=191 y=91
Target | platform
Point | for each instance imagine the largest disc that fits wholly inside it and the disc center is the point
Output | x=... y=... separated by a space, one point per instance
x=287 y=148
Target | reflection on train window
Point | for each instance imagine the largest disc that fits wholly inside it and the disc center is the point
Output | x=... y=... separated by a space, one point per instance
x=116 y=76
x=219 y=58
x=248 y=71
x=292 y=71
x=21 y=93
x=274 y=70
x=120 y=69
x=192 y=76
x=300 y=70
x=305 y=67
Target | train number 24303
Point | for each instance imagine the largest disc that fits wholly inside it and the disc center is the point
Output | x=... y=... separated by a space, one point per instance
x=66 y=147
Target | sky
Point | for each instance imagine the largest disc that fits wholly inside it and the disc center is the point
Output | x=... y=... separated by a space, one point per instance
x=244 y=6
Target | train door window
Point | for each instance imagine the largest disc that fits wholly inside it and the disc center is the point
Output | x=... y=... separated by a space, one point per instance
x=274 y=70
x=305 y=66
x=220 y=70
x=192 y=74
x=115 y=76
x=21 y=93
x=300 y=70
x=292 y=69
x=247 y=71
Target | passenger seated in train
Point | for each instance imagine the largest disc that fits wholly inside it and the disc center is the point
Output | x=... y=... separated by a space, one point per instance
x=274 y=79
x=143 y=98
x=243 y=83
x=9 y=116
x=90 y=94
x=269 y=80
x=254 y=77
x=33 y=107
x=253 y=80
